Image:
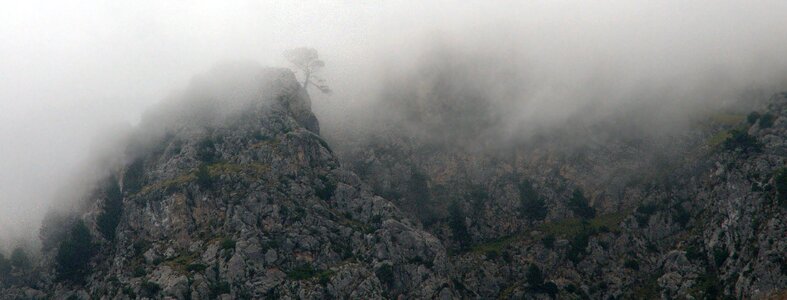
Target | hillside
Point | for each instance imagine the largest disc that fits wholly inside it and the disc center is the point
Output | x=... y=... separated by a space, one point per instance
x=228 y=191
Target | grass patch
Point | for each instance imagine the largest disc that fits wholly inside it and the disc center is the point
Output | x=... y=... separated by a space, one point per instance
x=495 y=246
x=579 y=231
x=182 y=263
x=223 y=168
x=649 y=289
x=302 y=272
x=168 y=183
x=228 y=244
x=727 y=119
x=214 y=170
x=568 y=228
x=718 y=138
x=324 y=277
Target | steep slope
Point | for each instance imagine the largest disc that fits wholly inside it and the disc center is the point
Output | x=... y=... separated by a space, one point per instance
x=598 y=211
x=230 y=192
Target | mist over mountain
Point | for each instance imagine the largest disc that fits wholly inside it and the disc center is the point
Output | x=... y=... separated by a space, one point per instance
x=483 y=149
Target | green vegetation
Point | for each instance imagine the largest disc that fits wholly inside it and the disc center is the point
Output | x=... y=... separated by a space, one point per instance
x=327 y=189
x=753 y=117
x=535 y=280
x=681 y=215
x=418 y=195
x=548 y=241
x=717 y=139
x=579 y=243
x=649 y=289
x=531 y=203
x=727 y=119
x=741 y=140
x=308 y=63
x=306 y=271
x=130 y=292
x=385 y=274
x=206 y=150
x=302 y=272
x=228 y=244
x=140 y=246
x=149 y=289
x=206 y=175
x=579 y=231
x=321 y=141
x=325 y=277
x=74 y=254
x=720 y=255
x=109 y=218
x=780 y=181
x=139 y=271
x=782 y=265
x=534 y=276
x=579 y=205
x=219 y=288
x=132 y=179
x=185 y=262
x=707 y=287
x=204 y=179
x=631 y=264
x=20 y=259
x=477 y=196
x=169 y=183
x=456 y=222
x=5 y=266
x=694 y=253
x=569 y=228
x=644 y=212
x=766 y=121
x=495 y=246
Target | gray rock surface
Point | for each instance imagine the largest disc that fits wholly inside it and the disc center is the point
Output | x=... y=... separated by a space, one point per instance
x=230 y=192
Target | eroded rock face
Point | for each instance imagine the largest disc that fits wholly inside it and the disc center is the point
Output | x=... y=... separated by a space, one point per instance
x=682 y=217
x=234 y=194
x=228 y=191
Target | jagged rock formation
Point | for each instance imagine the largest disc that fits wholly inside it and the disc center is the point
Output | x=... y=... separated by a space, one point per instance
x=693 y=215
x=228 y=191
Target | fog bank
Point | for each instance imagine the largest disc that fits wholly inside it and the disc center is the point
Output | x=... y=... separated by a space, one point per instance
x=73 y=72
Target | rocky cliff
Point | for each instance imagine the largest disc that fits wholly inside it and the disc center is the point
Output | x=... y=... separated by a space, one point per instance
x=694 y=214
x=228 y=191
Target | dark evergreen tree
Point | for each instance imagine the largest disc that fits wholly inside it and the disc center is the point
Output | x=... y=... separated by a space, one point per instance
x=74 y=254
x=456 y=221
x=109 y=218
x=534 y=276
x=532 y=204
x=20 y=259
x=5 y=267
x=579 y=205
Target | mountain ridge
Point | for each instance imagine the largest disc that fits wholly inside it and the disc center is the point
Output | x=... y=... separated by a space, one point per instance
x=228 y=191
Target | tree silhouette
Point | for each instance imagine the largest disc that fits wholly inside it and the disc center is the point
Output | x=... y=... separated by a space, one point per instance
x=308 y=62
x=20 y=259
x=74 y=253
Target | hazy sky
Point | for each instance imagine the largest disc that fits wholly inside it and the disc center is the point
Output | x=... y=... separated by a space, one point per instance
x=70 y=69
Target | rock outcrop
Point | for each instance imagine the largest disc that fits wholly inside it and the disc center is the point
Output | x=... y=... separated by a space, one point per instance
x=694 y=215
x=228 y=191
